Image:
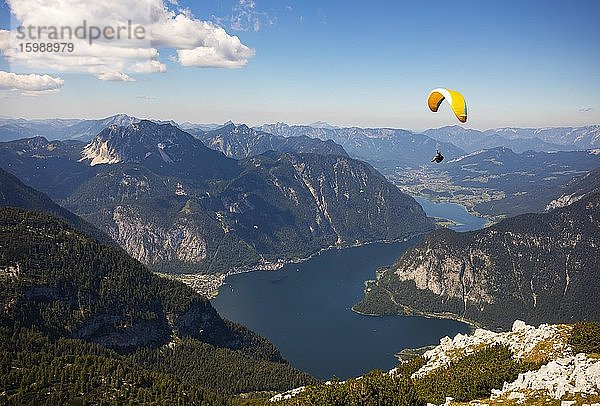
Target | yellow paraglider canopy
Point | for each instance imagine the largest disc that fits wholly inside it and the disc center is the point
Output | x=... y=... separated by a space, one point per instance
x=455 y=100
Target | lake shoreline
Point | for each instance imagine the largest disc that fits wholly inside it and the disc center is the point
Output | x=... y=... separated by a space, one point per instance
x=470 y=208
x=279 y=264
x=199 y=283
x=307 y=314
x=428 y=315
x=276 y=265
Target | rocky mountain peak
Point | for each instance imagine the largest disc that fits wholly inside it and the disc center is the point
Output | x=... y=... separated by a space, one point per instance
x=138 y=141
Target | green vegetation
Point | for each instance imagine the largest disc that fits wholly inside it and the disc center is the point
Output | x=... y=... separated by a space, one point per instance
x=374 y=388
x=83 y=321
x=406 y=369
x=473 y=376
x=585 y=337
x=37 y=371
x=225 y=371
x=13 y=193
x=469 y=378
x=270 y=205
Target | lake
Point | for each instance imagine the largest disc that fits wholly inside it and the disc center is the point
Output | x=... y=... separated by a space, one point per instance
x=452 y=211
x=305 y=309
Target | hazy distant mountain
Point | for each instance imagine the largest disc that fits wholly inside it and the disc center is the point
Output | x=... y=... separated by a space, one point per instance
x=352 y=139
x=240 y=141
x=541 y=268
x=14 y=129
x=519 y=175
x=188 y=126
x=575 y=137
x=58 y=129
x=173 y=203
x=381 y=147
x=322 y=124
x=473 y=140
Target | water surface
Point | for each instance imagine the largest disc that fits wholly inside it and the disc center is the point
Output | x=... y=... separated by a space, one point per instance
x=452 y=211
x=305 y=309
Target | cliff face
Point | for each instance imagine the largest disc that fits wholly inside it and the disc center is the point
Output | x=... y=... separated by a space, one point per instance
x=279 y=207
x=536 y=267
x=151 y=243
x=316 y=201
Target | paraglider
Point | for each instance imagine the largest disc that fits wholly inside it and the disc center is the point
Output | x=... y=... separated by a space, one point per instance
x=457 y=103
x=438 y=157
x=455 y=100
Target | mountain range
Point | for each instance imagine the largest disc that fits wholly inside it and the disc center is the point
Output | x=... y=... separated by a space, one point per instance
x=381 y=147
x=84 y=320
x=59 y=129
x=471 y=140
x=587 y=137
x=240 y=141
x=177 y=205
x=520 y=139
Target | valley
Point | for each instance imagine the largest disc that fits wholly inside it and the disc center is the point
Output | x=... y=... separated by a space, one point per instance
x=497 y=183
x=437 y=185
x=295 y=239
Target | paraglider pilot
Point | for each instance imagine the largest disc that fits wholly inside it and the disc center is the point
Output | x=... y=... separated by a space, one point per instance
x=438 y=157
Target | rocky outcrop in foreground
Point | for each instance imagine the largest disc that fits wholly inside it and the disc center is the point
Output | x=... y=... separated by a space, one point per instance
x=567 y=377
x=555 y=371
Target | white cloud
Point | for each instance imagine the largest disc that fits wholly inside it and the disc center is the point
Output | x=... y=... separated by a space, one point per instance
x=246 y=17
x=152 y=66
x=30 y=85
x=114 y=77
x=219 y=50
x=35 y=93
x=197 y=43
x=208 y=57
x=4 y=40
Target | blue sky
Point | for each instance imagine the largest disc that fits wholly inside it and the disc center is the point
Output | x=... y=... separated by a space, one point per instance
x=518 y=63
